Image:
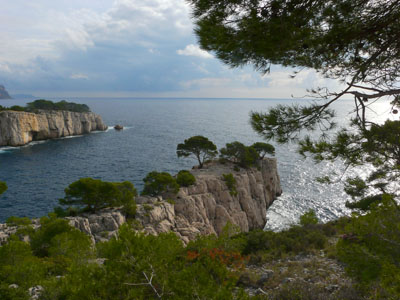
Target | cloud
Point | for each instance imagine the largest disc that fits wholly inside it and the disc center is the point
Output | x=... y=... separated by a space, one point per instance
x=79 y=76
x=124 y=47
x=194 y=50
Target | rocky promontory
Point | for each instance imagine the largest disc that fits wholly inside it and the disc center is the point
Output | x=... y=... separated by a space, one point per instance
x=20 y=128
x=201 y=209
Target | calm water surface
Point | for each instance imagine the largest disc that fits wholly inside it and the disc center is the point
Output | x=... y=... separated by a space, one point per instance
x=37 y=174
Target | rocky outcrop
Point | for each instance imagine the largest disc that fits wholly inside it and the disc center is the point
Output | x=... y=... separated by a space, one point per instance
x=208 y=205
x=3 y=93
x=21 y=128
x=201 y=209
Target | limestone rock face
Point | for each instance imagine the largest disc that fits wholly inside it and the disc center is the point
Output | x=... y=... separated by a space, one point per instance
x=205 y=207
x=101 y=226
x=20 y=128
x=201 y=209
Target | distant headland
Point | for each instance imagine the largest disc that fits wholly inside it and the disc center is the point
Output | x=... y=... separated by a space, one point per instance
x=3 y=93
x=43 y=119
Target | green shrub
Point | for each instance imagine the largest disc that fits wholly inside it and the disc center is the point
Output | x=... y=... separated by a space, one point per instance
x=156 y=183
x=171 y=201
x=370 y=249
x=17 y=221
x=309 y=218
x=185 y=178
x=17 y=108
x=90 y=194
x=292 y=241
x=3 y=187
x=50 y=227
x=230 y=183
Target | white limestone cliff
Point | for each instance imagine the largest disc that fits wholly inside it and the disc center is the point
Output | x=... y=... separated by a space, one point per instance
x=21 y=128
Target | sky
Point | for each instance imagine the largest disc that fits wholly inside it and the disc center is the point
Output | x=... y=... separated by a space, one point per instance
x=123 y=48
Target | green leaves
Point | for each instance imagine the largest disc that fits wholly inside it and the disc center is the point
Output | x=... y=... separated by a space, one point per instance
x=157 y=183
x=94 y=194
x=284 y=123
x=3 y=187
x=240 y=154
x=61 y=105
x=185 y=178
x=199 y=146
x=263 y=149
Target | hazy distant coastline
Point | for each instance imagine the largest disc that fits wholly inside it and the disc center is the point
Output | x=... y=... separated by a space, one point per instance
x=3 y=93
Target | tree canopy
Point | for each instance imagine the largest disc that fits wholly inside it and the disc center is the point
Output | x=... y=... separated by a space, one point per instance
x=3 y=187
x=199 y=146
x=157 y=183
x=353 y=41
x=94 y=194
x=240 y=154
x=356 y=41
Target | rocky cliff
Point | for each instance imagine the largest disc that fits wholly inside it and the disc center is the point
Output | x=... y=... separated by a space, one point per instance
x=203 y=208
x=3 y=93
x=20 y=128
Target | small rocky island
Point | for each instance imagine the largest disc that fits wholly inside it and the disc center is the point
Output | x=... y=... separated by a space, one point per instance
x=19 y=127
x=3 y=93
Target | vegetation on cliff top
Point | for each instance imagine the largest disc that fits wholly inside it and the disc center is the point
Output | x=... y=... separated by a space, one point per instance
x=43 y=104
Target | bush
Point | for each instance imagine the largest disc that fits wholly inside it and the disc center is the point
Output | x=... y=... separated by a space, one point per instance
x=309 y=218
x=230 y=183
x=17 y=108
x=185 y=178
x=156 y=183
x=16 y=221
x=295 y=240
x=370 y=249
x=93 y=194
x=3 y=187
x=240 y=154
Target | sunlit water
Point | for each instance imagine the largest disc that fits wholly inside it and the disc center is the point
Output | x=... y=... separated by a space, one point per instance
x=37 y=174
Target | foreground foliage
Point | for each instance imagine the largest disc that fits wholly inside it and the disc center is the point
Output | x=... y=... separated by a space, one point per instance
x=136 y=266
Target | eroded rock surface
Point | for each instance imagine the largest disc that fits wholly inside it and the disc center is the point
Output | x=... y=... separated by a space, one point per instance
x=201 y=209
x=21 y=128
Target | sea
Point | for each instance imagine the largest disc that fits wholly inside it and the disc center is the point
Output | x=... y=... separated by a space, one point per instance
x=38 y=173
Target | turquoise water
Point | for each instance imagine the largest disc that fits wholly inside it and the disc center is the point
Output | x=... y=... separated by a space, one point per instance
x=37 y=174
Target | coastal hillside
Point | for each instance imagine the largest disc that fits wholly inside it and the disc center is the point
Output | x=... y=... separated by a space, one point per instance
x=20 y=128
x=3 y=93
